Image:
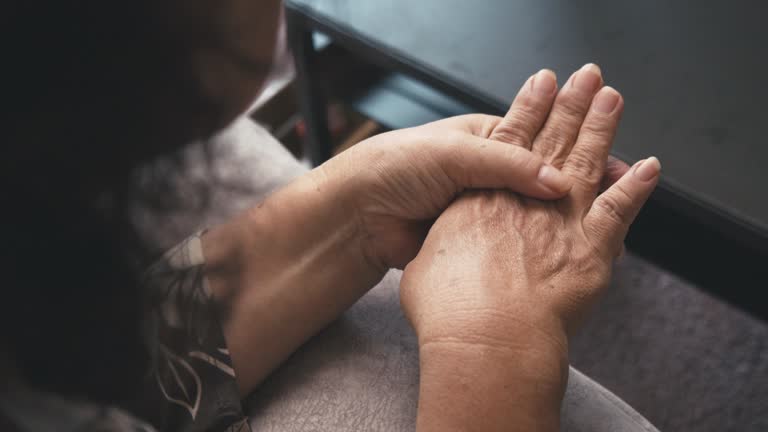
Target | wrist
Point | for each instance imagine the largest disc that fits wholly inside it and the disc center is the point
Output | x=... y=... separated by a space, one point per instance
x=489 y=366
x=538 y=347
x=493 y=313
x=488 y=387
x=349 y=179
x=297 y=230
x=282 y=271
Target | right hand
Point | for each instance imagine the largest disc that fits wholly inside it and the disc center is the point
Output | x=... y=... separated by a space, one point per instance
x=500 y=270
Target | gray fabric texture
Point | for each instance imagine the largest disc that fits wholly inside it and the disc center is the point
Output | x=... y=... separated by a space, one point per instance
x=684 y=360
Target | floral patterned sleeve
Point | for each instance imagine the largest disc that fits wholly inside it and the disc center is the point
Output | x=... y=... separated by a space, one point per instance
x=192 y=385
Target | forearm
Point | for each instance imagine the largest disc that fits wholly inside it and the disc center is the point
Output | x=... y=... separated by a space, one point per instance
x=284 y=270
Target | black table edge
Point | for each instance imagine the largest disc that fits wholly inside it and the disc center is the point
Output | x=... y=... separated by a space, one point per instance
x=669 y=193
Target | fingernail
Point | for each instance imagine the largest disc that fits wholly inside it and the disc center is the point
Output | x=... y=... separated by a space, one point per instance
x=544 y=82
x=648 y=169
x=553 y=179
x=588 y=78
x=606 y=100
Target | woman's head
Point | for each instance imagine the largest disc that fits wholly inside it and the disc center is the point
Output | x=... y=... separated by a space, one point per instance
x=92 y=90
x=160 y=72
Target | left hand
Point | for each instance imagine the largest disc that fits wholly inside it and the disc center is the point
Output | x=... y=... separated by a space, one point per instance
x=395 y=184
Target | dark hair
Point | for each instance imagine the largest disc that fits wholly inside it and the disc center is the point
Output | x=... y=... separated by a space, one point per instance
x=89 y=87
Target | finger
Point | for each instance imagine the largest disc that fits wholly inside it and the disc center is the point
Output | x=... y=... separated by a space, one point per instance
x=483 y=163
x=614 y=170
x=614 y=210
x=586 y=163
x=530 y=108
x=561 y=129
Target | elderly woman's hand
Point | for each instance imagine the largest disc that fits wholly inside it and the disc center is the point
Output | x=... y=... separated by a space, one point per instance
x=505 y=277
x=395 y=184
x=314 y=247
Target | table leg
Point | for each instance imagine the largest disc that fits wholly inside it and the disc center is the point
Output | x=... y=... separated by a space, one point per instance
x=312 y=100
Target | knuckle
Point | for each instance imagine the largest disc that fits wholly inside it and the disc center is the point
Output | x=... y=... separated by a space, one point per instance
x=586 y=163
x=528 y=115
x=560 y=132
x=558 y=135
x=509 y=134
x=561 y=128
x=612 y=208
x=598 y=126
x=518 y=127
x=622 y=194
x=571 y=107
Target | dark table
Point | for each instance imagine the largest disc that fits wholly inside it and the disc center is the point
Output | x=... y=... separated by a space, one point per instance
x=693 y=75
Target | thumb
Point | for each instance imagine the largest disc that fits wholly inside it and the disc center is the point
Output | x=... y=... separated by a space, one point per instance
x=488 y=164
x=613 y=211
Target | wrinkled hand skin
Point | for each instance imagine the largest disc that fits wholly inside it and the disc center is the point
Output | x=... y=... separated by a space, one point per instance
x=496 y=253
x=500 y=270
x=396 y=184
